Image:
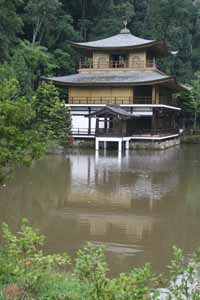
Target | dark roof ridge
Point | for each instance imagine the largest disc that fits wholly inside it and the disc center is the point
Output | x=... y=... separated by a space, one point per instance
x=115 y=109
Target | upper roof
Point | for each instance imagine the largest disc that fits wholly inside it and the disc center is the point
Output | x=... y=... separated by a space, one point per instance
x=120 y=40
x=123 y=40
x=113 y=78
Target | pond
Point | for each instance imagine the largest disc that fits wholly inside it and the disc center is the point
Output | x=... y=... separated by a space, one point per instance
x=137 y=206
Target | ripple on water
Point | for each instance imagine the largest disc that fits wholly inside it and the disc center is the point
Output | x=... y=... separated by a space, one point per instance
x=118 y=248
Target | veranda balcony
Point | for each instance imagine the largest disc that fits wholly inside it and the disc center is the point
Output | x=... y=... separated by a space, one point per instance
x=114 y=132
x=142 y=100
x=87 y=63
x=137 y=132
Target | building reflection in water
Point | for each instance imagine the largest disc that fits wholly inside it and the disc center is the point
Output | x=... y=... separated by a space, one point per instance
x=138 y=207
x=141 y=176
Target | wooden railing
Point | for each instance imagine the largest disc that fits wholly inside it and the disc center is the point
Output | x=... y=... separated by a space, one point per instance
x=154 y=132
x=83 y=131
x=86 y=63
x=110 y=100
x=114 y=132
x=168 y=101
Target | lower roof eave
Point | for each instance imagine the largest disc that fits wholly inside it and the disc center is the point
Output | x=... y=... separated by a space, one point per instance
x=175 y=86
x=118 y=78
x=109 y=83
x=127 y=105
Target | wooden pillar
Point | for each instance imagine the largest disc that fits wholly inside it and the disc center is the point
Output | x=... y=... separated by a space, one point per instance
x=96 y=144
x=153 y=94
x=127 y=145
x=120 y=146
x=154 y=121
x=89 y=120
x=97 y=125
x=174 y=120
x=106 y=123
x=180 y=122
x=157 y=94
x=121 y=127
x=154 y=62
x=171 y=119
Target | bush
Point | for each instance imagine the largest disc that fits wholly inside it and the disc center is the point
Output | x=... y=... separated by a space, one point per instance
x=27 y=273
x=23 y=262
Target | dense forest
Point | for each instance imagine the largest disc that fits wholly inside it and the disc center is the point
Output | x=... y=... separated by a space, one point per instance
x=34 y=34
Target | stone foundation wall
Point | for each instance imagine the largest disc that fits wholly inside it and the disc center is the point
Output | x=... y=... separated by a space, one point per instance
x=154 y=145
x=190 y=139
x=84 y=143
x=134 y=145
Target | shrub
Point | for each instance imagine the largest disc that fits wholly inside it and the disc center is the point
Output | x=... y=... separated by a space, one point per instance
x=27 y=273
x=23 y=262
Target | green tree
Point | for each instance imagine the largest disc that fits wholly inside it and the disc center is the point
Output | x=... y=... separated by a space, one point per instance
x=195 y=97
x=137 y=24
x=41 y=15
x=49 y=22
x=112 y=19
x=19 y=141
x=51 y=114
x=196 y=36
x=22 y=73
x=10 y=26
x=27 y=125
x=191 y=101
x=66 y=61
x=6 y=72
x=30 y=62
x=171 y=21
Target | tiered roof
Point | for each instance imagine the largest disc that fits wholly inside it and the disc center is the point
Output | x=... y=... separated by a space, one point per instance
x=124 y=40
x=112 y=78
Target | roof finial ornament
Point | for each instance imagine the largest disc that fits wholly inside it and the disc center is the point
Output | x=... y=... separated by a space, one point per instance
x=125 y=29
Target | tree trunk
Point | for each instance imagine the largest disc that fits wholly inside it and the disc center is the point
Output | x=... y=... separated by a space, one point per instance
x=195 y=120
x=36 y=31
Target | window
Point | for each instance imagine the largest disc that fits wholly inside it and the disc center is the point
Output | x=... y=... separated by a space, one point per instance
x=118 y=61
x=136 y=61
x=101 y=62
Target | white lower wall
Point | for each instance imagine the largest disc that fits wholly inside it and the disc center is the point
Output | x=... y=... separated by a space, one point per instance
x=82 y=122
x=79 y=122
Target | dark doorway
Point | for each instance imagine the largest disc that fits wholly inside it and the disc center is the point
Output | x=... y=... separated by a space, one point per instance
x=143 y=94
x=139 y=125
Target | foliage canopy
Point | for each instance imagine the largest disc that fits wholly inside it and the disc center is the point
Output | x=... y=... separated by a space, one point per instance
x=26 y=125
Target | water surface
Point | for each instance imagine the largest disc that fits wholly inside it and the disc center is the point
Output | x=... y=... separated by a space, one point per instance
x=137 y=206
